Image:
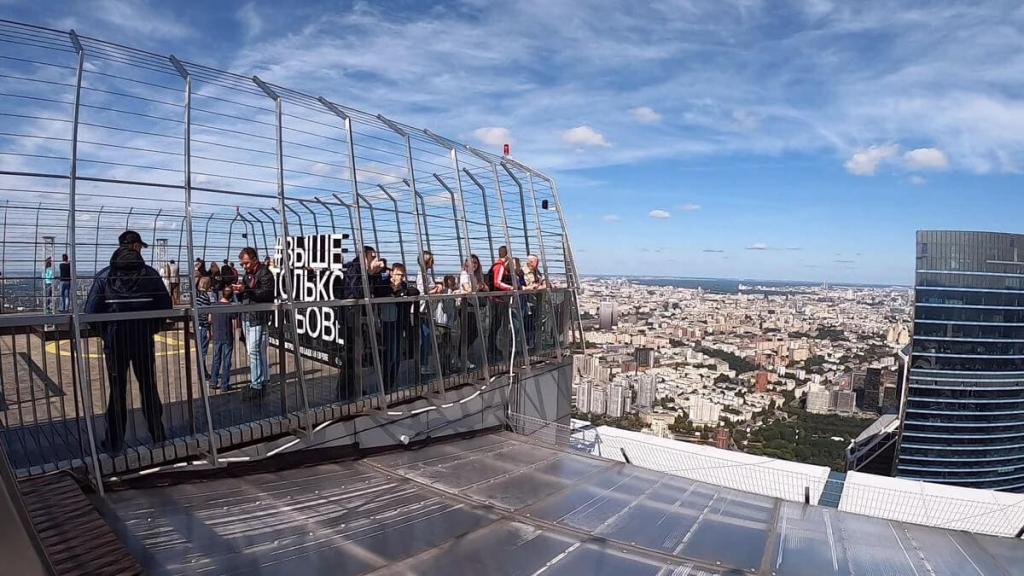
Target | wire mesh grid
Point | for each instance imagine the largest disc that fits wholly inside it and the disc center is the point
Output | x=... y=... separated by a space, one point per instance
x=100 y=139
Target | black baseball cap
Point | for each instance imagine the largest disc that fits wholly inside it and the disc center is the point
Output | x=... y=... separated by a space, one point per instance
x=129 y=237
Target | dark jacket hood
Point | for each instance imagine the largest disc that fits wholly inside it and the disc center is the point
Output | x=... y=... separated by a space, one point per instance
x=126 y=259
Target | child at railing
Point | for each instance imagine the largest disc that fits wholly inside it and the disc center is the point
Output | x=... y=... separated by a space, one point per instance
x=223 y=325
x=445 y=321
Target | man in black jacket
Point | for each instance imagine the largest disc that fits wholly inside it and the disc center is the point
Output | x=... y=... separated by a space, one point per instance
x=357 y=343
x=256 y=287
x=396 y=329
x=353 y=277
x=129 y=285
x=65 y=284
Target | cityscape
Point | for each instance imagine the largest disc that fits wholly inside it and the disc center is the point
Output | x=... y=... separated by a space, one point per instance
x=918 y=383
x=548 y=288
x=722 y=368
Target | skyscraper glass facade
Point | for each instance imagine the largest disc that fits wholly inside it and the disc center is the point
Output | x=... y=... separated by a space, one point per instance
x=963 y=419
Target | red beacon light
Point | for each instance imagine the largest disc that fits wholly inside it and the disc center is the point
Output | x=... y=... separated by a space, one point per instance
x=506 y=150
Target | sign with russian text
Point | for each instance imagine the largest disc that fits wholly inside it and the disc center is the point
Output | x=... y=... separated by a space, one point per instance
x=316 y=267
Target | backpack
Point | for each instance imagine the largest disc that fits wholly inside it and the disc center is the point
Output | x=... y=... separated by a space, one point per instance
x=489 y=278
x=352 y=282
x=124 y=291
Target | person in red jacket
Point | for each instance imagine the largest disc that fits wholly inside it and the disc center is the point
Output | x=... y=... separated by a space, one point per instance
x=500 y=278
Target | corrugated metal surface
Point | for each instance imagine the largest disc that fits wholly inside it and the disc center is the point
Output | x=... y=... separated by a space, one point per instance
x=77 y=539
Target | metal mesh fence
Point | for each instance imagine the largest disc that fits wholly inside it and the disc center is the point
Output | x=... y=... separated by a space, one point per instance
x=126 y=350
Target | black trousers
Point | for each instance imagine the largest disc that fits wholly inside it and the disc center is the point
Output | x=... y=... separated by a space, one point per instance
x=499 y=319
x=130 y=343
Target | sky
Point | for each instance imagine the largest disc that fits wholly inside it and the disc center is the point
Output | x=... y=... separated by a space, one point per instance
x=788 y=140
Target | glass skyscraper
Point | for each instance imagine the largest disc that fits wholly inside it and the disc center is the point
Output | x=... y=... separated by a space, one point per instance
x=963 y=416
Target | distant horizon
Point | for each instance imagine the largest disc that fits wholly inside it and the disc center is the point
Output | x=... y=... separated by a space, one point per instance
x=771 y=280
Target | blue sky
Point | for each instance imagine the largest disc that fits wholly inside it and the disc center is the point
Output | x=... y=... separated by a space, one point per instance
x=778 y=140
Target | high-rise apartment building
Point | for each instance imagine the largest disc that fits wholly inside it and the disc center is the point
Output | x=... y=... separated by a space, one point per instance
x=606 y=315
x=645 y=357
x=583 y=394
x=704 y=411
x=646 y=391
x=617 y=400
x=598 y=400
x=819 y=399
x=963 y=415
x=872 y=389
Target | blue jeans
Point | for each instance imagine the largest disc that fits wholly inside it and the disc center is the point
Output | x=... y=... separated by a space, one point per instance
x=222 y=352
x=204 y=347
x=391 y=334
x=425 y=342
x=256 y=340
x=65 y=296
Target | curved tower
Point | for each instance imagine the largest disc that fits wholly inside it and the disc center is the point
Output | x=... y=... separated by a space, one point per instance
x=963 y=414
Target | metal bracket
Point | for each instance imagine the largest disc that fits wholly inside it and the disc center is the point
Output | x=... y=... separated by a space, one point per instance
x=332 y=107
x=395 y=127
x=179 y=67
x=76 y=42
x=266 y=88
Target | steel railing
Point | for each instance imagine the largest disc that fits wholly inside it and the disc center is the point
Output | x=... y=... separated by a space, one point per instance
x=100 y=138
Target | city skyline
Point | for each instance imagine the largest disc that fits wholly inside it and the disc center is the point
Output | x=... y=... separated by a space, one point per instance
x=715 y=139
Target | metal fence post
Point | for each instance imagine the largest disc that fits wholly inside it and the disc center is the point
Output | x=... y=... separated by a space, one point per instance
x=84 y=379
x=574 y=276
x=289 y=305
x=152 y=247
x=316 y=223
x=514 y=302
x=540 y=237
x=454 y=154
x=411 y=183
x=487 y=211
x=398 y=223
x=206 y=235
x=358 y=222
x=373 y=218
x=455 y=217
x=193 y=306
x=3 y=257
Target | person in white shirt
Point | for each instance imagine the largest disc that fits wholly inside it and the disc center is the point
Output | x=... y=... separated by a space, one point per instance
x=471 y=280
x=174 y=278
x=426 y=285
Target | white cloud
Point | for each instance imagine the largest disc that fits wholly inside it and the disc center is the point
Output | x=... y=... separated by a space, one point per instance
x=736 y=93
x=439 y=199
x=138 y=17
x=611 y=218
x=758 y=246
x=645 y=115
x=689 y=207
x=584 y=136
x=926 y=159
x=494 y=136
x=251 y=21
x=918 y=180
x=659 y=214
x=746 y=120
x=865 y=162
